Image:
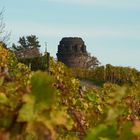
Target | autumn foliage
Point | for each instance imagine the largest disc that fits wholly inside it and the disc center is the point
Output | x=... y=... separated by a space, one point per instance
x=53 y=106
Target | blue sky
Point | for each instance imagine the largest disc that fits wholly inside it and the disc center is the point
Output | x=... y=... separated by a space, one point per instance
x=110 y=28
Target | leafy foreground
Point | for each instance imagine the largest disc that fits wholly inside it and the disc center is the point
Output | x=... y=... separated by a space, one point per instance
x=42 y=106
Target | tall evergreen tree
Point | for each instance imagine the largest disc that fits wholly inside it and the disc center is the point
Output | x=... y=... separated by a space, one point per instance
x=27 y=42
x=32 y=41
x=23 y=43
x=27 y=47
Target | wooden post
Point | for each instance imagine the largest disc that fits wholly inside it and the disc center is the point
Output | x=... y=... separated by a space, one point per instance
x=48 y=62
x=48 y=58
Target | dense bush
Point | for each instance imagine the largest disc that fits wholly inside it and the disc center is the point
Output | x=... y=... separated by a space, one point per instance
x=35 y=63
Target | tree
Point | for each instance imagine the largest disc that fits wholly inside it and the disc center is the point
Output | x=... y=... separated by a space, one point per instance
x=27 y=47
x=26 y=43
x=92 y=62
x=23 y=43
x=32 y=41
x=4 y=36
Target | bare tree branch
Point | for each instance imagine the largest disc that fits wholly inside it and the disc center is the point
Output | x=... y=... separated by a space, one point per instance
x=4 y=35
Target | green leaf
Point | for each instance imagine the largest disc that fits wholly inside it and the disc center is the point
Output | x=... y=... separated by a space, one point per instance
x=42 y=88
x=3 y=99
x=102 y=132
x=126 y=132
x=92 y=97
x=26 y=113
x=6 y=119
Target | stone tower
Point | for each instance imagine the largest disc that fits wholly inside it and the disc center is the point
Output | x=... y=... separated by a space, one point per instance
x=72 y=52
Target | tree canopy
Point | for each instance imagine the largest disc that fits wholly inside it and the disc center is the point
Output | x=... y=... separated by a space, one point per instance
x=26 y=42
x=27 y=47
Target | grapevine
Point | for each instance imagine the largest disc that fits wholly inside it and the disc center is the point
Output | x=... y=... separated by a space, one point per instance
x=53 y=105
